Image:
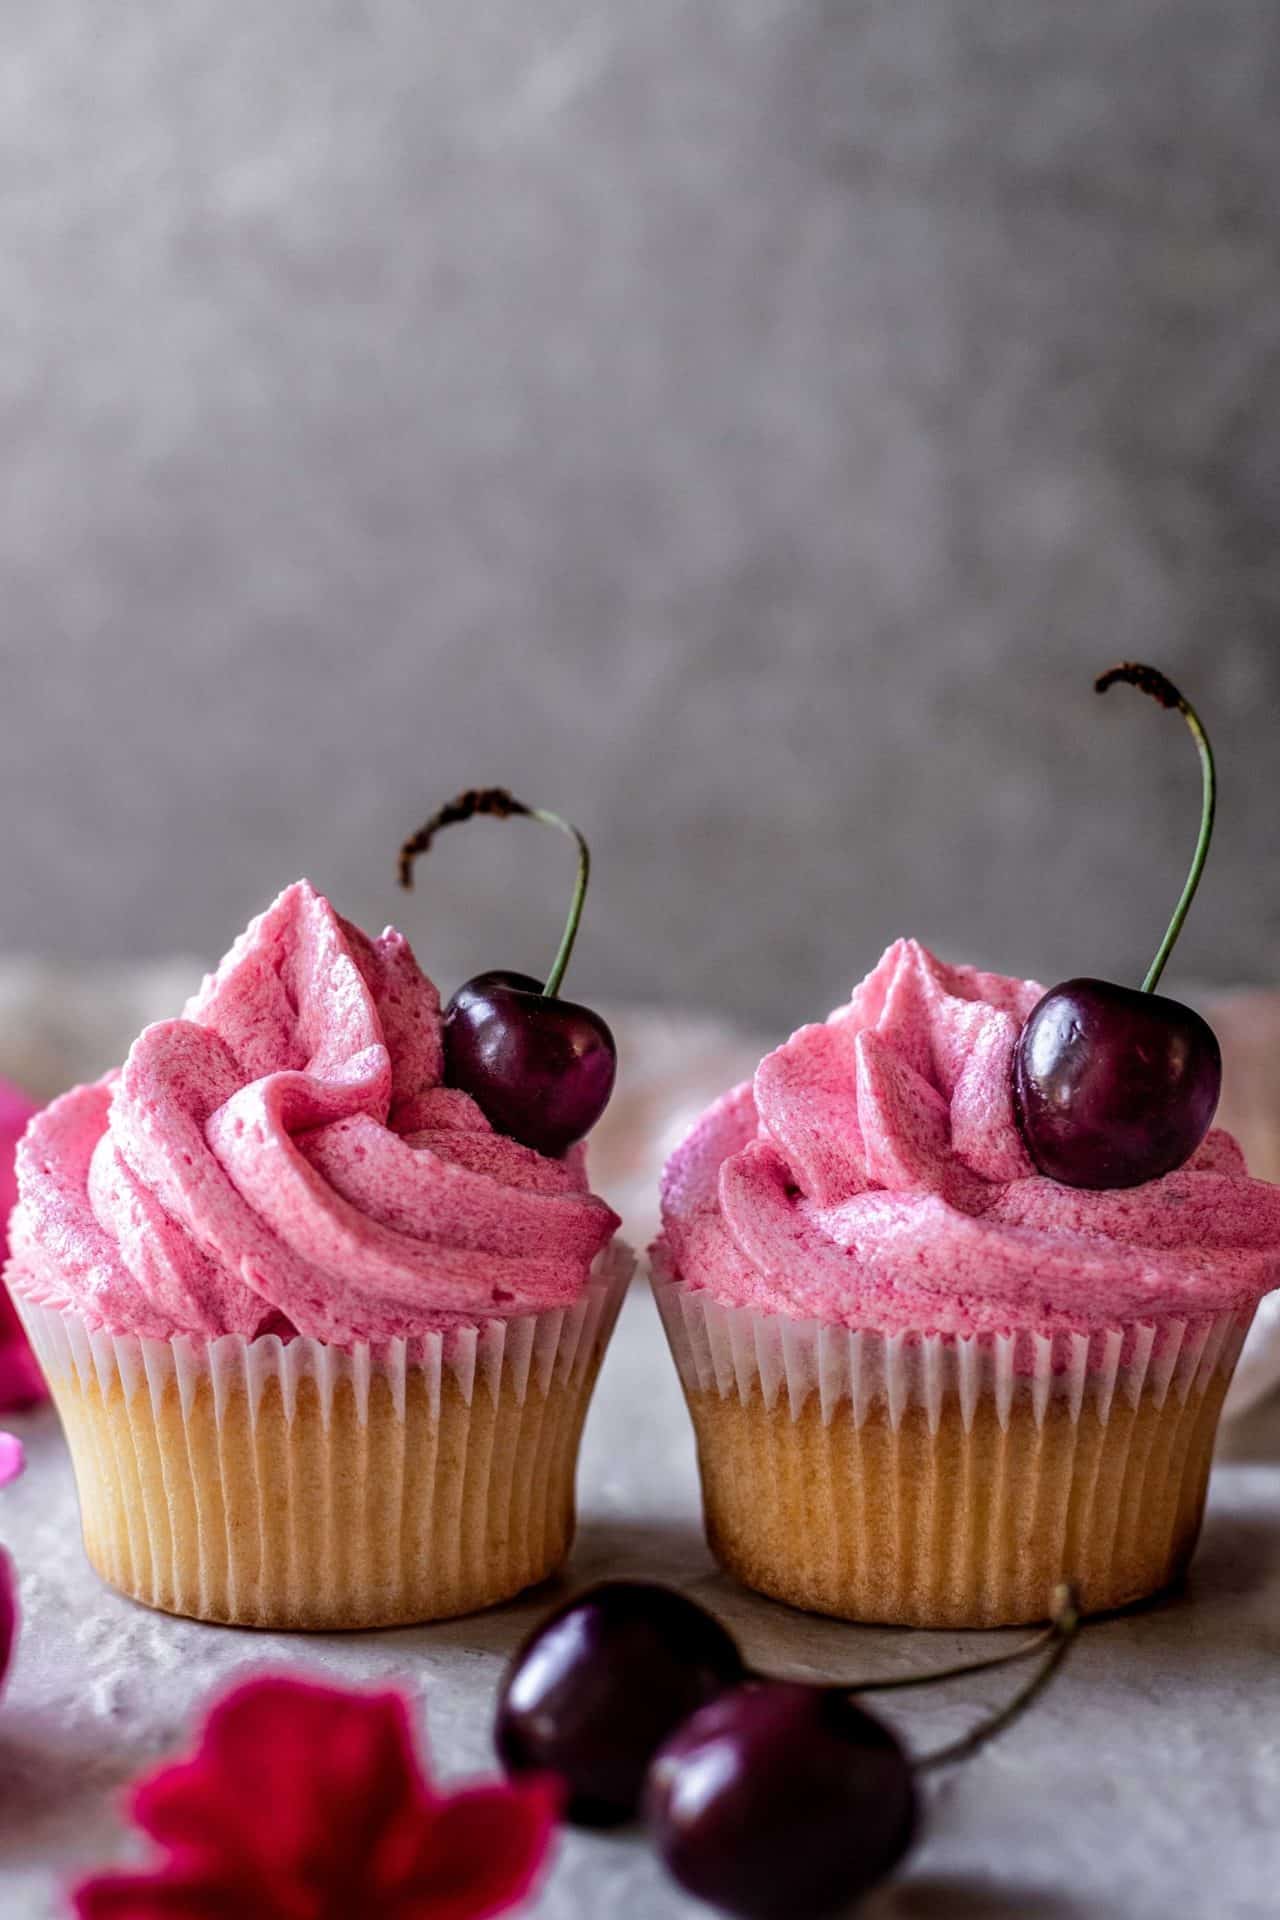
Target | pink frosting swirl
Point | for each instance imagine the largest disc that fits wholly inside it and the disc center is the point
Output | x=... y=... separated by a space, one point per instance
x=873 y=1176
x=284 y=1158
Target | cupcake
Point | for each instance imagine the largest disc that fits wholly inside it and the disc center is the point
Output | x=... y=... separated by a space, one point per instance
x=927 y=1380
x=322 y=1339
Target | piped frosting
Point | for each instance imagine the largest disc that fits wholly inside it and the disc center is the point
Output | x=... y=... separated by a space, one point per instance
x=284 y=1158
x=873 y=1175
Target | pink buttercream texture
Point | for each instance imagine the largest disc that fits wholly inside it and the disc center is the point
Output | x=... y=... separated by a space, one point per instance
x=873 y=1176
x=284 y=1158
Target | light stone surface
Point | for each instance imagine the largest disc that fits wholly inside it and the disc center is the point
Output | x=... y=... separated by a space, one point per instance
x=1145 y=1784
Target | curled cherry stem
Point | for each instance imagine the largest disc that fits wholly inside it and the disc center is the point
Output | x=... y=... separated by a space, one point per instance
x=498 y=804
x=1062 y=1630
x=1151 y=681
x=1036 y=1644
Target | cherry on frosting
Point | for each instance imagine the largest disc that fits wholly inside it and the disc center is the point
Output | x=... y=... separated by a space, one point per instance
x=1115 y=1085
x=541 y=1069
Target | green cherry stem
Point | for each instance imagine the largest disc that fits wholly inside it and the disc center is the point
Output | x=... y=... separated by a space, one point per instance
x=498 y=804
x=1064 y=1625
x=560 y=965
x=1150 y=680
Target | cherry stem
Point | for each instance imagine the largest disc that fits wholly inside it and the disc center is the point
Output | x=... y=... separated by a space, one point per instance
x=1150 y=680
x=1035 y=1645
x=498 y=804
x=1064 y=1625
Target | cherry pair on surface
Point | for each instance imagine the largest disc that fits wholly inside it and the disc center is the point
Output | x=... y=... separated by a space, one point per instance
x=771 y=1799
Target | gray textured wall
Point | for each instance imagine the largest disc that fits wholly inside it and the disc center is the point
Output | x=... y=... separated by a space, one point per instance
x=744 y=424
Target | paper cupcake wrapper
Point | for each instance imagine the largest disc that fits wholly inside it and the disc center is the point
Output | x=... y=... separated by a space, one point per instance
x=537 y=1348
x=296 y=1484
x=733 y=1350
x=930 y=1481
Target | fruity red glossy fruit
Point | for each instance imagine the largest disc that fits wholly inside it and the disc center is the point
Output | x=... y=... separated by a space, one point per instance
x=596 y=1689
x=1114 y=1086
x=781 y=1801
x=540 y=1069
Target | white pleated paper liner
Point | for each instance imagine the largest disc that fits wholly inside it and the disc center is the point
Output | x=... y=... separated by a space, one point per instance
x=294 y=1484
x=928 y=1480
x=553 y=1346
x=735 y=1351
x=1258 y=1373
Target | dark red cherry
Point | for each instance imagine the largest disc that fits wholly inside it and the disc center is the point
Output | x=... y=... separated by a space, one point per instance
x=540 y=1069
x=597 y=1688
x=780 y=1801
x=1114 y=1086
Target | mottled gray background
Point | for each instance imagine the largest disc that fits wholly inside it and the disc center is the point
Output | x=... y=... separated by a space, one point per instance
x=744 y=424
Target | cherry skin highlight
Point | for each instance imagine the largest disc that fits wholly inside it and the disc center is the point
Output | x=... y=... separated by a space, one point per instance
x=598 y=1687
x=539 y=1068
x=781 y=1801
x=1113 y=1086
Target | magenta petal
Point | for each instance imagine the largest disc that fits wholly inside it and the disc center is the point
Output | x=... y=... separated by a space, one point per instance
x=8 y=1612
x=163 y=1895
x=22 y=1384
x=12 y=1459
x=15 y=1111
x=304 y=1801
x=21 y=1381
x=10 y=1468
